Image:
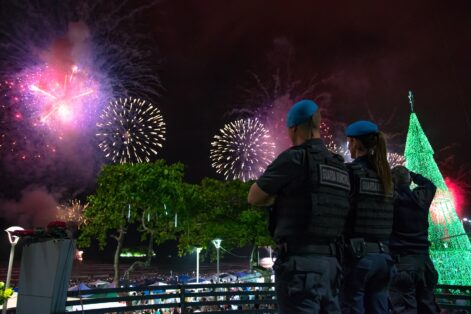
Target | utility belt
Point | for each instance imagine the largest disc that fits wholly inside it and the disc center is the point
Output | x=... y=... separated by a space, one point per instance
x=358 y=247
x=289 y=248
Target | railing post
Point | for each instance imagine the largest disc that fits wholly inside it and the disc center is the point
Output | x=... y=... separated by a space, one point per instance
x=182 y=299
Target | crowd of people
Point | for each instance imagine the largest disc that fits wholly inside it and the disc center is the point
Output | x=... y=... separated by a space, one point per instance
x=233 y=298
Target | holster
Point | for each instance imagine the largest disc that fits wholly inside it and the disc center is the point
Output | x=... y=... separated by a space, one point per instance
x=340 y=249
x=356 y=247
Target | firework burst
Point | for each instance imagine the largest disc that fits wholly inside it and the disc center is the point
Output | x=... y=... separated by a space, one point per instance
x=72 y=212
x=242 y=150
x=63 y=99
x=16 y=144
x=329 y=139
x=62 y=64
x=131 y=130
x=395 y=159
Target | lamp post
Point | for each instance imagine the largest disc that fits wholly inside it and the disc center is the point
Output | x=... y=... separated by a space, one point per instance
x=464 y=220
x=217 y=244
x=13 y=241
x=198 y=250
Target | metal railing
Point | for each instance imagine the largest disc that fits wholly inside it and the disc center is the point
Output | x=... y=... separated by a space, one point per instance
x=209 y=298
x=455 y=298
x=213 y=298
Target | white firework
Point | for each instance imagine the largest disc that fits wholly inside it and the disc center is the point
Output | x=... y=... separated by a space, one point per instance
x=131 y=131
x=242 y=150
x=395 y=159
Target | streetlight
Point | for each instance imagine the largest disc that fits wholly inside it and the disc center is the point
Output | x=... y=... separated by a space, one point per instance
x=198 y=250
x=217 y=244
x=466 y=223
x=13 y=241
x=464 y=220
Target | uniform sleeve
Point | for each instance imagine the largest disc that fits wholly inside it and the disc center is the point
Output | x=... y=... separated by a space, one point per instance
x=425 y=190
x=283 y=170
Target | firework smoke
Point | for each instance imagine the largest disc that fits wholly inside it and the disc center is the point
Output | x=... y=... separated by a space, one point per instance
x=271 y=97
x=36 y=208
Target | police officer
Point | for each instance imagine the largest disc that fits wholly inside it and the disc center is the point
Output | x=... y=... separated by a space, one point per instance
x=309 y=188
x=368 y=267
x=412 y=287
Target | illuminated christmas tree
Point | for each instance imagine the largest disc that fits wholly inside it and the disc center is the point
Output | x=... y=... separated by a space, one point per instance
x=450 y=247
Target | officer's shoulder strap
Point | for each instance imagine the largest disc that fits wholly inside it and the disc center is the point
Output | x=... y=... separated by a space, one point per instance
x=311 y=148
x=335 y=160
x=355 y=170
x=354 y=166
x=338 y=157
x=311 y=151
x=371 y=173
x=360 y=171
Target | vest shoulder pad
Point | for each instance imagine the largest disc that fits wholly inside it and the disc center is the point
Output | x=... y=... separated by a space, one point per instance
x=354 y=167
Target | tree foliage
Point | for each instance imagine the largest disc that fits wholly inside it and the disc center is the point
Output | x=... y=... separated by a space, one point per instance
x=149 y=194
x=220 y=210
x=130 y=193
x=154 y=196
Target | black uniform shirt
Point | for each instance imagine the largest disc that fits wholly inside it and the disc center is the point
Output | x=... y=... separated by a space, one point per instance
x=286 y=170
x=411 y=209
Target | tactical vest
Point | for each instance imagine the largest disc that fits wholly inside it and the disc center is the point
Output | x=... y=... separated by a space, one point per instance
x=372 y=210
x=315 y=208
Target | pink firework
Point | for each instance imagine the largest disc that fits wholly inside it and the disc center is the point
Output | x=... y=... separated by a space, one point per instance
x=62 y=98
x=19 y=136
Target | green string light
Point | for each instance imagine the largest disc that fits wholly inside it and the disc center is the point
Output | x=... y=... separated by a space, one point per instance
x=450 y=248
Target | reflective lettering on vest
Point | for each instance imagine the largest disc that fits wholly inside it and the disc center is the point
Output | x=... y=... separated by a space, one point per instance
x=315 y=211
x=334 y=176
x=371 y=186
x=330 y=182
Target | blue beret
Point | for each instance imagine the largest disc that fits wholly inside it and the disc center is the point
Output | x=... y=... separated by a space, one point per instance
x=301 y=112
x=360 y=128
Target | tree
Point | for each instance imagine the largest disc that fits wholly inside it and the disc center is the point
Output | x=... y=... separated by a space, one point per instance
x=450 y=247
x=129 y=193
x=254 y=231
x=161 y=203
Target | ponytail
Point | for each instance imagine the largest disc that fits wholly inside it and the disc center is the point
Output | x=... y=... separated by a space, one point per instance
x=375 y=144
x=379 y=159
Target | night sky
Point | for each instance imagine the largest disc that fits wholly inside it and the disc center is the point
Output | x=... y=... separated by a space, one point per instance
x=369 y=55
x=365 y=56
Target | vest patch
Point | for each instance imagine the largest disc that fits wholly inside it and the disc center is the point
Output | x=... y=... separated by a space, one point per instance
x=332 y=176
x=371 y=187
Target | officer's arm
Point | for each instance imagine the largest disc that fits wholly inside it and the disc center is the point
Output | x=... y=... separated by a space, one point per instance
x=425 y=190
x=278 y=174
x=258 y=197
